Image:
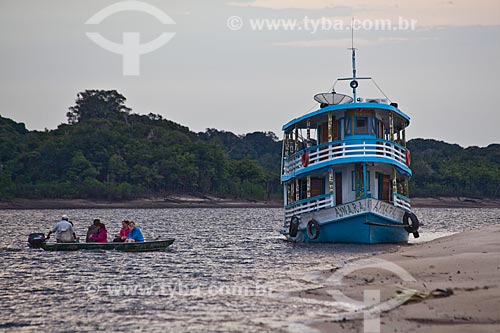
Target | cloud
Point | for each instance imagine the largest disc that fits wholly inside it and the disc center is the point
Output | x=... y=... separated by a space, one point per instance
x=428 y=13
x=285 y=4
x=339 y=42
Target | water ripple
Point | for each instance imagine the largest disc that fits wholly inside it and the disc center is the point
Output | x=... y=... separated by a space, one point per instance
x=228 y=271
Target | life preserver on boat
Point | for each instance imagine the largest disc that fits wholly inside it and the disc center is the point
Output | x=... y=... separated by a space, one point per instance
x=294 y=226
x=411 y=228
x=313 y=224
x=305 y=159
x=408 y=157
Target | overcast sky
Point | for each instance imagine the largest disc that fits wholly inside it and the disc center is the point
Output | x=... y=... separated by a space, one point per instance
x=225 y=73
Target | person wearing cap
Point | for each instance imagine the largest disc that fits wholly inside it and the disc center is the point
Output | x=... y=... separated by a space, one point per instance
x=64 y=231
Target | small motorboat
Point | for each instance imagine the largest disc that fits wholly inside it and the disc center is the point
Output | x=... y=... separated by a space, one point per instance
x=38 y=241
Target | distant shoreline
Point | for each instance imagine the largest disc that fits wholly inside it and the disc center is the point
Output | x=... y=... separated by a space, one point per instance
x=168 y=202
x=454 y=202
x=211 y=202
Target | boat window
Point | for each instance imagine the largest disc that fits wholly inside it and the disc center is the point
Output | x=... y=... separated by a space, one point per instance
x=380 y=129
x=336 y=130
x=361 y=125
x=373 y=128
x=303 y=189
x=348 y=125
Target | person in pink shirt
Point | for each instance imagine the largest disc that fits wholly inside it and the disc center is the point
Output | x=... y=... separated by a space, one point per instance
x=102 y=234
x=123 y=232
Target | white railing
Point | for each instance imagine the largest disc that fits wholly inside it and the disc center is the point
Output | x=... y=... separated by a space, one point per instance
x=342 y=149
x=308 y=205
x=401 y=201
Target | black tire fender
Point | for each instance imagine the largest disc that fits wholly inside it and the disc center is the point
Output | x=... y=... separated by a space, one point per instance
x=411 y=228
x=313 y=224
x=294 y=226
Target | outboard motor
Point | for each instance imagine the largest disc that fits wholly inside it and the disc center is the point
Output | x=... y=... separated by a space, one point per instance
x=36 y=240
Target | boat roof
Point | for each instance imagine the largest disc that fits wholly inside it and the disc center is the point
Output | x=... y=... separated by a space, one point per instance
x=348 y=106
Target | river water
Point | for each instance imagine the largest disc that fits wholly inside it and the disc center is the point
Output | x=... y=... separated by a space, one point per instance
x=228 y=271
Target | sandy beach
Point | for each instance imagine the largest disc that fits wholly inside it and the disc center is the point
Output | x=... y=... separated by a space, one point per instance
x=454 y=287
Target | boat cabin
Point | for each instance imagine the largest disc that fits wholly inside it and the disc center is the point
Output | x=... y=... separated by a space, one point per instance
x=345 y=152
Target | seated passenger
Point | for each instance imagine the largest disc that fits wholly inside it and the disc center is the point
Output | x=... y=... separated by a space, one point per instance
x=124 y=231
x=64 y=231
x=93 y=229
x=102 y=234
x=135 y=234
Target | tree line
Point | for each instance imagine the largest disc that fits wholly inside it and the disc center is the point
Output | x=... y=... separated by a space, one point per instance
x=107 y=152
x=441 y=169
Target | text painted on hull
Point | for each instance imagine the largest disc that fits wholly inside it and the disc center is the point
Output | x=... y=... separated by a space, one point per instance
x=364 y=206
x=349 y=209
x=385 y=209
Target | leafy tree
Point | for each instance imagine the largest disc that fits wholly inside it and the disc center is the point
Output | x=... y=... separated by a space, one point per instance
x=92 y=104
x=117 y=169
x=80 y=169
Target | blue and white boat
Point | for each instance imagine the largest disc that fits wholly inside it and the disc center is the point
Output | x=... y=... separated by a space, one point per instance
x=345 y=170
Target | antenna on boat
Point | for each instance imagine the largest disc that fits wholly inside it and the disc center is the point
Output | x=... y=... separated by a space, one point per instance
x=354 y=82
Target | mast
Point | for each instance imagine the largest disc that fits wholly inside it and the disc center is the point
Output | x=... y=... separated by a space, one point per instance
x=354 y=82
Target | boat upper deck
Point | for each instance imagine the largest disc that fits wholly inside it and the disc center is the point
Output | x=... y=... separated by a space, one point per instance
x=382 y=110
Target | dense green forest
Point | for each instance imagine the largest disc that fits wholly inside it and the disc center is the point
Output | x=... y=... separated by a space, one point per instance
x=107 y=152
x=448 y=170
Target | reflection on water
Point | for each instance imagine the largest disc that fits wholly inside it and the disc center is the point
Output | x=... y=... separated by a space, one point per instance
x=229 y=270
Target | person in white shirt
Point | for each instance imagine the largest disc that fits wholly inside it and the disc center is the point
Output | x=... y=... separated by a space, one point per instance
x=64 y=231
